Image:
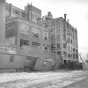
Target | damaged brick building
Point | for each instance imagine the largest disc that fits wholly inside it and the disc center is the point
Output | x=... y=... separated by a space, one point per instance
x=29 y=41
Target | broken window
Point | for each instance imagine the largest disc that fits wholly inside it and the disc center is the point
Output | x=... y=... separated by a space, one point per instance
x=36 y=35
x=23 y=14
x=45 y=38
x=73 y=49
x=24 y=42
x=53 y=47
x=17 y=12
x=35 y=43
x=58 y=45
x=59 y=52
x=11 y=58
x=64 y=45
x=76 y=55
x=46 y=48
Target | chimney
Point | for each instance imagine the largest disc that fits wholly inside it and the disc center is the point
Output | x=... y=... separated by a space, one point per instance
x=65 y=16
x=50 y=15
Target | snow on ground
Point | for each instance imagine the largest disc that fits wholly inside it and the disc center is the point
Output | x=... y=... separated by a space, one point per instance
x=23 y=79
x=5 y=77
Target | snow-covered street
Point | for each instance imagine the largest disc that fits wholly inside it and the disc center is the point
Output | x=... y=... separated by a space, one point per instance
x=40 y=79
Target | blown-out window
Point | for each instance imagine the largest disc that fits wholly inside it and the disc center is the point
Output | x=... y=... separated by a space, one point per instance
x=24 y=42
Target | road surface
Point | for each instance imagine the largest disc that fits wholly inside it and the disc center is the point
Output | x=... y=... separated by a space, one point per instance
x=57 y=79
x=80 y=84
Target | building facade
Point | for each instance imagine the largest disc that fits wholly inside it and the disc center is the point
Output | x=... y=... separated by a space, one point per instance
x=63 y=40
x=32 y=42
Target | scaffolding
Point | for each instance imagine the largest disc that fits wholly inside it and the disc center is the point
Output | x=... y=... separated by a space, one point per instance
x=84 y=64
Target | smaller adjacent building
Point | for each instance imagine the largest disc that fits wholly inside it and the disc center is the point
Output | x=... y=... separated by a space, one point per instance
x=63 y=40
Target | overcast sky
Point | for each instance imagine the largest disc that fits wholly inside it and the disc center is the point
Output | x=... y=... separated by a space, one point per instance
x=76 y=10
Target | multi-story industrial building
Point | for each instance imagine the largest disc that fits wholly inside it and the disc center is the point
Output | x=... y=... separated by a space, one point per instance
x=32 y=42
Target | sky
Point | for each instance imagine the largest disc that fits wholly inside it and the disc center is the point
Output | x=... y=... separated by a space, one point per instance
x=76 y=10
